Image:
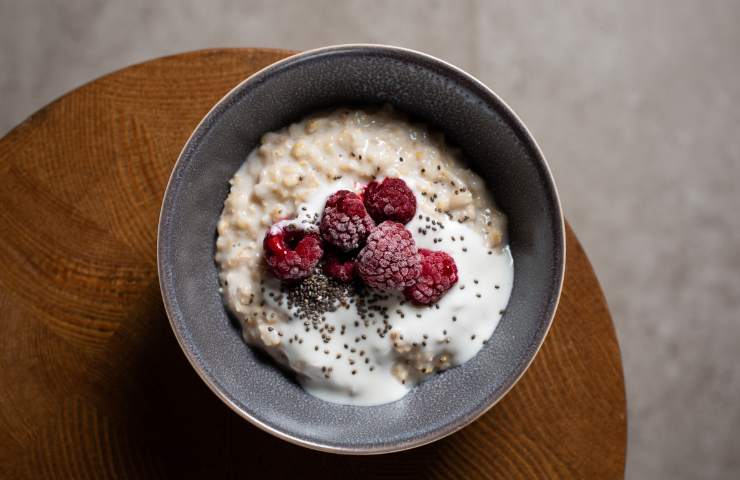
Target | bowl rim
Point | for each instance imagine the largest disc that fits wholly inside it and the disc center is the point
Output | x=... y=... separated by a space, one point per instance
x=430 y=436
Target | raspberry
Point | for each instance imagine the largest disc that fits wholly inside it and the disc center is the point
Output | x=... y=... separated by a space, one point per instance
x=292 y=249
x=438 y=274
x=389 y=260
x=345 y=222
x=390 y=200
x=339 y=265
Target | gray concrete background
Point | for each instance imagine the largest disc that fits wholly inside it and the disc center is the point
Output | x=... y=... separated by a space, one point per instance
x=636 y=105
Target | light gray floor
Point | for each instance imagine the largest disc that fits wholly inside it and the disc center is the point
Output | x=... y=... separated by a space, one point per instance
x=636 y=104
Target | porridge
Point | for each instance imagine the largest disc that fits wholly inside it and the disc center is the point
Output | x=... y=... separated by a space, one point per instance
x=358 y=251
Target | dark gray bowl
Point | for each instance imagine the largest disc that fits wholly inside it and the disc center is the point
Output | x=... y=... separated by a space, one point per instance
x=497 y=146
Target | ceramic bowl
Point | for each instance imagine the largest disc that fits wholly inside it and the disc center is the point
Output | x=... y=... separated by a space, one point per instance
x=496 y=145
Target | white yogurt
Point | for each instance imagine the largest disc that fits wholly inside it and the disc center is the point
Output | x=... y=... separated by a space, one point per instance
x=357 y=365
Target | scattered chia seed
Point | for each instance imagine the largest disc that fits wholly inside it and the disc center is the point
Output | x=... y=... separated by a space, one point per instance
x=312 y=298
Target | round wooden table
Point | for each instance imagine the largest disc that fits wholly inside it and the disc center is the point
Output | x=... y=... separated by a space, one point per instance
x=92 y=381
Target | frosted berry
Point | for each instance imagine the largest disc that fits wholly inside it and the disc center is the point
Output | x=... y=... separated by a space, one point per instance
x=345 y=222
x=340 y=265
x=389 y=260
x=292 y=249
x=390 y=199
x=438 y=275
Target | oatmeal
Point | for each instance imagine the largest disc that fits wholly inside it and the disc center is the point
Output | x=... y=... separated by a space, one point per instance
x=352 y=334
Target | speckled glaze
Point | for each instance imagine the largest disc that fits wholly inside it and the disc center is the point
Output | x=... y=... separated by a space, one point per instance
x=496 y=145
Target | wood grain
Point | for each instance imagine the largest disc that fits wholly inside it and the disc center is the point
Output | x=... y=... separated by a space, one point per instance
x=92 y=382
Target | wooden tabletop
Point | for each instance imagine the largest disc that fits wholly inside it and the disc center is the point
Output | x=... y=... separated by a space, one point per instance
x=92 y=381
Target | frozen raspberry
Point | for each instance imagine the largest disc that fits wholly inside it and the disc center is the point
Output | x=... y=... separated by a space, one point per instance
x=438 y=274
x=292 y=249
x=389 y=260
x=345 y=222
x=391 y=199
x=339 y=265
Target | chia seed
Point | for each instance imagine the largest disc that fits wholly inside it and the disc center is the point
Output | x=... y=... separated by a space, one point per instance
x=314 y=297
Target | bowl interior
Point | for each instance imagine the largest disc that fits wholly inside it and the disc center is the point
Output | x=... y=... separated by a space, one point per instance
x=495 y=144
